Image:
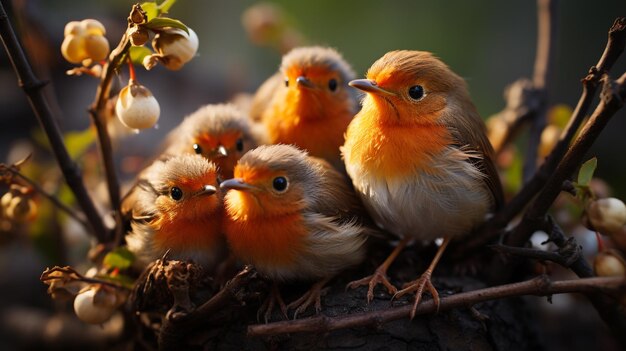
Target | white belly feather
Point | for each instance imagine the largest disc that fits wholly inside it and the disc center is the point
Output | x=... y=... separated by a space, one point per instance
x=427 y=206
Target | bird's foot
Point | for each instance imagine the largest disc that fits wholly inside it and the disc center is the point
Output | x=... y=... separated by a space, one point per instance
x=272 y=299
x=311 y=297
x=379 y=277
x=418 y=286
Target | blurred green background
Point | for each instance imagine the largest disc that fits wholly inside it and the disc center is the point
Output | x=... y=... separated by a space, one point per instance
x=490 y=43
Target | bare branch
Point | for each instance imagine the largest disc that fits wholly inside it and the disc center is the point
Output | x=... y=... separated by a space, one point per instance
x=97 y=113
x=33 y=88
x=613 y=49
x=540 y=286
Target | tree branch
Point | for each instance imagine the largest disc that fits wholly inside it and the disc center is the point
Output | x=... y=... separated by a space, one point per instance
x=33 y=88
x=612 y=99
x=540 y=286
x=97 y=112
x=613 y=49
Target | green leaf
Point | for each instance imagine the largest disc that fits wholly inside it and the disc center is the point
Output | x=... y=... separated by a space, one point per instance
x=119 y=258
x=79 y=141
x=586 y=172
x=151 y=8
x=163 y=22
x=137 y=53
x=164 y=6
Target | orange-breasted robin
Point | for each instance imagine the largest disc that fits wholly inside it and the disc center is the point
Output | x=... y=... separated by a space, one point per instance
x=220 y=132
x=308 y=103
x=294 y=217
x=419 y=157
x=175 y=207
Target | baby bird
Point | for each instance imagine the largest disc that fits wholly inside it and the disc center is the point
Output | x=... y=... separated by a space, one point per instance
x=294 y=218
x=419 y=157
x=221 y=133
x=308 y=102
x=175 y=207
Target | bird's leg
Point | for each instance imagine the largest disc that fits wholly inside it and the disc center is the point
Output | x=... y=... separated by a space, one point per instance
x=422 y=282
x=314 y=295
x=272 y=299
x=380 y=275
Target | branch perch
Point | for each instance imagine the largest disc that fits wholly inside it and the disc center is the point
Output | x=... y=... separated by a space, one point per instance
x=540 y=286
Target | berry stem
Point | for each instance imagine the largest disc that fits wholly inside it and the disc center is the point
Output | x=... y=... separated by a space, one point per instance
x=131 y=69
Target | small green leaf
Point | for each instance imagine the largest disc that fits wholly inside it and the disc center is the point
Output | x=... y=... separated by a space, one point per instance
x=119 y=258
x=151 y=9
x=78 y=142
x=163 y=22
x=164 y=6
x=137 y=53
x=586 y=172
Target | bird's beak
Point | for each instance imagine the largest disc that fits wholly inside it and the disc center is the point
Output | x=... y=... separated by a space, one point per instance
x=237 y=184
x=304 y=81
x=221 y=151
x=370 y=86
x=207 y=190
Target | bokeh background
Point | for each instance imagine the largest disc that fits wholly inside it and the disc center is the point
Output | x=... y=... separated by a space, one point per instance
x=491 y=43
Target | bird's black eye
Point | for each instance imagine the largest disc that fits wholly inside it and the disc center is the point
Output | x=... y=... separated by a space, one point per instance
x=332 y=84
x=239 y=144
x=197 y=148
x=279 y=183
x=416 y=92
x=286 y=82
x=176 y=193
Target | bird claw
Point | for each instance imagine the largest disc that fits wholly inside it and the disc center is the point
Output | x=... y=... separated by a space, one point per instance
x=313 y=296
x=418 y=286
x=379 y=277
x=268 y=305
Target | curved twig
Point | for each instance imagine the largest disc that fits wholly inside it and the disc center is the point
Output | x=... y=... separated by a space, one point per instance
x=540 y=286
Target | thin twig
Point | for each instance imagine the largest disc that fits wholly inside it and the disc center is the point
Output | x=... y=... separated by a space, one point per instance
x=544 y=62
x=33 y=88
x=97 y=113
x=53 y=199
x=531 y=253
x=540 y=286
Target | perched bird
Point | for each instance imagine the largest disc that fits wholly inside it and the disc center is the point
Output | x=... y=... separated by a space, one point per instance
x=308 y=102
x=294 y=218
x=175 y=207
x=419 y=157
x=221 y=133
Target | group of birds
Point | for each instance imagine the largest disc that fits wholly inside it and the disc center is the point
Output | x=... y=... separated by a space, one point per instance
x=297 y=181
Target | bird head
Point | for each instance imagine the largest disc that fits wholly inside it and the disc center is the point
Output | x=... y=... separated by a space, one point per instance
x=185 y=187
x=408 y=87
x=273 y=180
x=316 y=80
x=220 y=133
